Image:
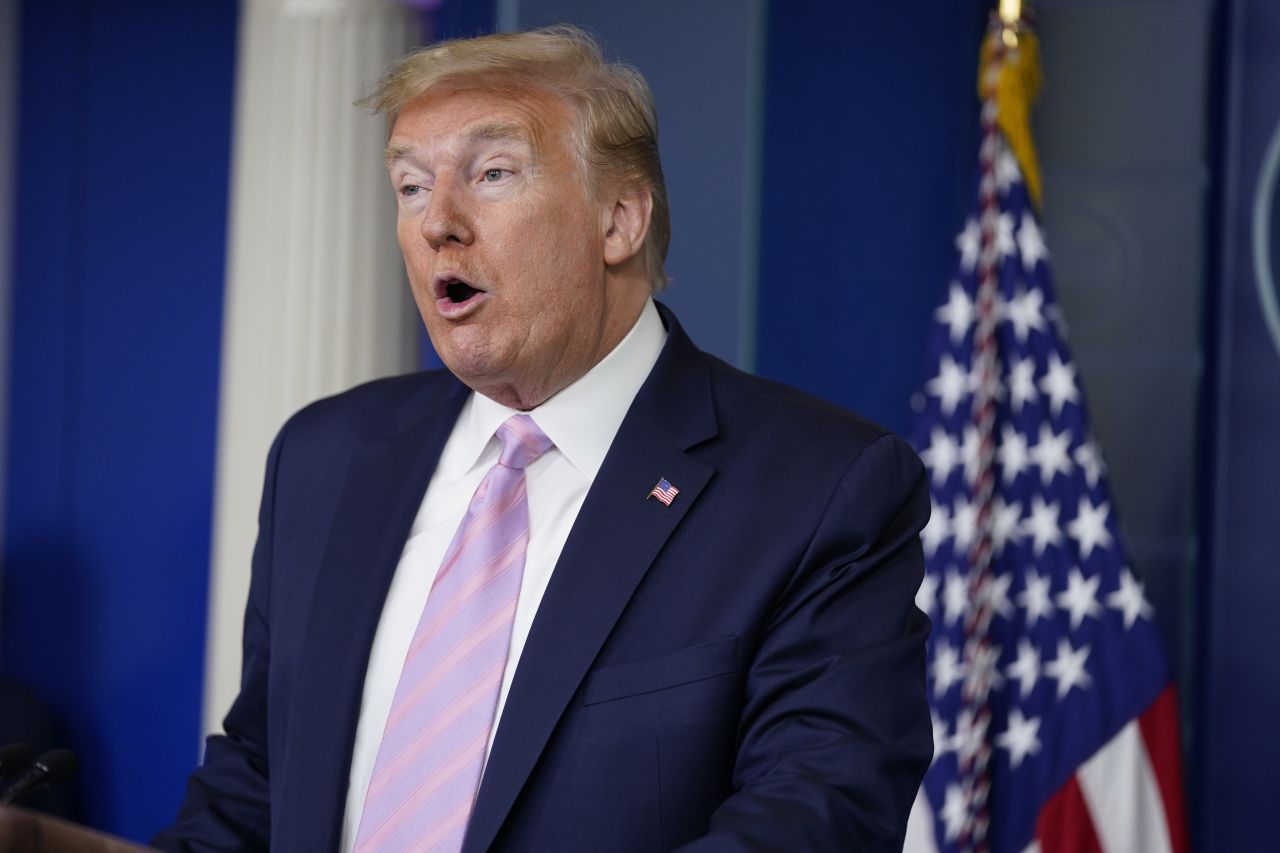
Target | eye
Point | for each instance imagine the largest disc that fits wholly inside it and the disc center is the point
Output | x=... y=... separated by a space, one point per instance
x=494 y=175
x=409 y=190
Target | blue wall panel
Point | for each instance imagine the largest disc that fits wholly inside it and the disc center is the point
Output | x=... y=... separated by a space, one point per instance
x=870 y=151
x=1233 y=778
x=120 y=231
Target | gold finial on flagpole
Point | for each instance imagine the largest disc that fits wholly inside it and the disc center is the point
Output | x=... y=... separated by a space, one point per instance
x=1010 y=11
x=1010 y=16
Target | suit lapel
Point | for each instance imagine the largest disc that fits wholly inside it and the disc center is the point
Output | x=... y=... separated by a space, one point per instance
x=383 y=490
x=616 y=537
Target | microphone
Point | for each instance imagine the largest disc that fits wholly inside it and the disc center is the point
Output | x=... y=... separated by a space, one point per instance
x=14 y=758
x=54 y=766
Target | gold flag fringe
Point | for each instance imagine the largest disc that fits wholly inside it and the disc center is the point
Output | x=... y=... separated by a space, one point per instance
x=1018 y=85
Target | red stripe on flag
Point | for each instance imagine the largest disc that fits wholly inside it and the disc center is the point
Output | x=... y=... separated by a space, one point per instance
x=1065 y=825
x=1159 y=726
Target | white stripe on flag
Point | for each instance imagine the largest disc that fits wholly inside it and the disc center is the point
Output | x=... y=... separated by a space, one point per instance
x=920 y=837
x=1120 y=788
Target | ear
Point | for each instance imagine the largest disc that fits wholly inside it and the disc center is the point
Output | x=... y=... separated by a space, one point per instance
x=627 y=226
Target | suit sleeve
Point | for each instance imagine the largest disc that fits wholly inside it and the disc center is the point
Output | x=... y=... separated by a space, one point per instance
x=835 y=735
x=226 y=806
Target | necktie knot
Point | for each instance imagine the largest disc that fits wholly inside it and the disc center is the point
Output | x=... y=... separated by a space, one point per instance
x=522 y=441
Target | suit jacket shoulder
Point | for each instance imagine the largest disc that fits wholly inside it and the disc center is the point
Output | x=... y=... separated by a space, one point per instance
x=792 y=413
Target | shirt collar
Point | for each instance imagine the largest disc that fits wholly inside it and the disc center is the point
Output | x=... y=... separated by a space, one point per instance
x=582 y=419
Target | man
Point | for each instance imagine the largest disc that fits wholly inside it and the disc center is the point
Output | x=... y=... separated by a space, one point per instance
x=590 y=589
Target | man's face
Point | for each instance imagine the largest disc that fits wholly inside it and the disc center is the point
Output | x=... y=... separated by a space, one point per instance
x=502 y=241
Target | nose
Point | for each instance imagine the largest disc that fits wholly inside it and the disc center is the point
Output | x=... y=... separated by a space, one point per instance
x=447 y=220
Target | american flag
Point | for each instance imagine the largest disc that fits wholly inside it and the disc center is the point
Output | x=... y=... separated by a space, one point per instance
x=1055 y=725
x=664 y=492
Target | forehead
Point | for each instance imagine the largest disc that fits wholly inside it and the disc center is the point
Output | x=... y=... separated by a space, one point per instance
x=444 y=119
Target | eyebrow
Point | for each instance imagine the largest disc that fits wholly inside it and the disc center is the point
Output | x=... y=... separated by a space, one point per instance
x=496 y=131
x=488 y=131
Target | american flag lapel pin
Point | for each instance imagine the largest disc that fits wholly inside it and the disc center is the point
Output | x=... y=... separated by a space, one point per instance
x=663 y=491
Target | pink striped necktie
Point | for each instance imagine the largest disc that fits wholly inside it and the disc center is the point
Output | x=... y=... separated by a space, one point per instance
x=428 y=766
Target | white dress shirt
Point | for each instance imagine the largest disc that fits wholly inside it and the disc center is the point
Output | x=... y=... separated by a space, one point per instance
x=581 y=421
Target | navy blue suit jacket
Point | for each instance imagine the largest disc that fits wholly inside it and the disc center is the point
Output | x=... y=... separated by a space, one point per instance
x=740 y=670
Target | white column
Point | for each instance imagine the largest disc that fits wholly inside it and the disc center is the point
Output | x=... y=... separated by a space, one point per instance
x=316 y=299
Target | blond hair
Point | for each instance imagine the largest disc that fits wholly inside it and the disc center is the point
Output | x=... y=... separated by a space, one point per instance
x=617 y=133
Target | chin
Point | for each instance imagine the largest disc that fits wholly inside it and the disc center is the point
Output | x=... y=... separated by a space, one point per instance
x=472 y=366
x=465 y=349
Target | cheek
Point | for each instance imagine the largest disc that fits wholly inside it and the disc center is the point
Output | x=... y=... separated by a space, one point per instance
x=416 y=259
x=561 y=240
x=406 y=232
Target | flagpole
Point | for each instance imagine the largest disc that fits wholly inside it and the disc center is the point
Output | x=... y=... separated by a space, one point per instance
x=978 y=649
x=1006 y=89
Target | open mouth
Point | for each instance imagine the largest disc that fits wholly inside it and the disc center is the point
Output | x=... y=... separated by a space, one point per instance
x=456 y=297
x=459 y=291
x=450 y=289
